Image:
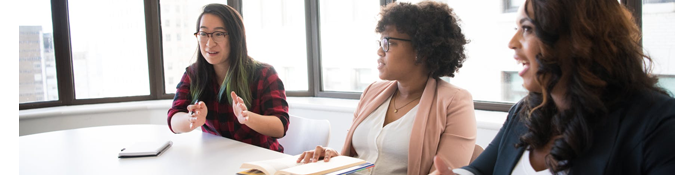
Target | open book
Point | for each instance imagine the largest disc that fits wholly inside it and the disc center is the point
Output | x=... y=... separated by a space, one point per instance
x=289 y=166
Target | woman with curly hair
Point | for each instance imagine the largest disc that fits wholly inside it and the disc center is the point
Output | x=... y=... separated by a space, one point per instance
x=593 y=107
x=401 y=123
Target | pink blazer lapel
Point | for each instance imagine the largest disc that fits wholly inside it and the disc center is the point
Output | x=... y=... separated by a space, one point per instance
x=417 y=136
x=371 y=101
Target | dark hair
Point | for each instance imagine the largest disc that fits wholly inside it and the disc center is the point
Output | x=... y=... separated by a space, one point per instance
x=596 y=44
x=241 y=65
x=436 y=36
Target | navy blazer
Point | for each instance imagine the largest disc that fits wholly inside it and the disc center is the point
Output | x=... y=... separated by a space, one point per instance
x=638 y=138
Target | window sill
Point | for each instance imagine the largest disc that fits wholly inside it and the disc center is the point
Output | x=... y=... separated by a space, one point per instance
x=492 y=120
x=484 y=119
x=93 y=109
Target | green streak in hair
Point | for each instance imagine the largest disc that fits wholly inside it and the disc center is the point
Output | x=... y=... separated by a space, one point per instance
x=238 y=81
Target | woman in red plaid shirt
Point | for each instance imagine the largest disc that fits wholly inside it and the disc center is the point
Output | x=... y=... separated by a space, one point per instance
x=226 y=92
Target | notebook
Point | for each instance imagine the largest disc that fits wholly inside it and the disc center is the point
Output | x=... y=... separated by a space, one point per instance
x=143 y=149
x=288 y=166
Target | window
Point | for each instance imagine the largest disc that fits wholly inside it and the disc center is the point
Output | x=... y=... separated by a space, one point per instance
x=109 y=48
x=512 y=86
x=512 y=5
x=348 y=44
x=110 y=54
x=489 y=33
x=178 y=54
x=275 y=33
x=37 y=66
x=658 y=30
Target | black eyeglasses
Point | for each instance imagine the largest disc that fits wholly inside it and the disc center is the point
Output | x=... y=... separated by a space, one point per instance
x=218 y=37
x=384 y=43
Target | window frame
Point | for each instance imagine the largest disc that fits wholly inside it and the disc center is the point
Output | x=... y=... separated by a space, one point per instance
x=64 y=65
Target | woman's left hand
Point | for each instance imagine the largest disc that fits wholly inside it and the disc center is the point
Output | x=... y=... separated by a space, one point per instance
x=239 y=108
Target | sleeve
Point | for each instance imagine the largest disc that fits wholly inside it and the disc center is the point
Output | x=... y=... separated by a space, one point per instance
x=181 y=100
x=486 y=161
x=658 y=152
x=458 y=140
x=273 y=97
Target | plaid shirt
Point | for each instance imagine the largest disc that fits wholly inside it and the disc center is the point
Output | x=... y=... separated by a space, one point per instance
x=268 y=98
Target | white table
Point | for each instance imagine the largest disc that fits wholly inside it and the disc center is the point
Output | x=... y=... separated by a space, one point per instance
x=94 y=151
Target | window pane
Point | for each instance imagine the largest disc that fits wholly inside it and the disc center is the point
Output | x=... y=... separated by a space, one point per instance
x=658 y=30
x=348 y=44
x=37 y=68
x=179 y=22
x=490 y=72
x=275 y=33
x=108 y=48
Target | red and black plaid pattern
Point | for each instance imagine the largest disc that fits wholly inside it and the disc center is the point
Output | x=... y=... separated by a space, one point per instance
x=268 y=98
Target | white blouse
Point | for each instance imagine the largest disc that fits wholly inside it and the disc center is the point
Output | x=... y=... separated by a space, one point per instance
x=386 y=147
x=524 y=167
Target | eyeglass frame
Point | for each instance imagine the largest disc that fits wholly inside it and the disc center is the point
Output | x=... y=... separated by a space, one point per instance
x=387 y=41
x=210 y=35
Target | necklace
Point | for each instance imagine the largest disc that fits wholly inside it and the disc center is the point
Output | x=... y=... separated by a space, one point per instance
x=394 y=101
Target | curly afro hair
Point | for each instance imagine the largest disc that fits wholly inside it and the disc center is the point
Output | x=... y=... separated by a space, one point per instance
x=436 y=36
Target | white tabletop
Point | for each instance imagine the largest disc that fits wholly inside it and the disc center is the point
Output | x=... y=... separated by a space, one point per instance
x=94 y=151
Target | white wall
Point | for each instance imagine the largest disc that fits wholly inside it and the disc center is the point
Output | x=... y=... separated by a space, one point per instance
x=338 y=111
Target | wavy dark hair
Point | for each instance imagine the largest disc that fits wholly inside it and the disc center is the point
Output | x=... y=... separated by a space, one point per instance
x=241 y=65
x=595 y=43
x=436 y=35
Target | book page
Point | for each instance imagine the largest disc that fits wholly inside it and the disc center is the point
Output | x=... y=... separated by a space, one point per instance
x=270 y=167
x=321 y=167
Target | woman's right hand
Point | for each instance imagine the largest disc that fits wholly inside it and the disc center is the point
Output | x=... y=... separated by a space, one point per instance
x=316 y=154
x=198 y=117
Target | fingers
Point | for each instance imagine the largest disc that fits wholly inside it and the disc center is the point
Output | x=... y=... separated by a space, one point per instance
x=191 y=107
x=234 y=97
x=441 y=167
x=317 y=153
x=308 y=156
x=242 y=106
x=241 y=100
x=301 y=157
x=328 y=154
x=197 y=106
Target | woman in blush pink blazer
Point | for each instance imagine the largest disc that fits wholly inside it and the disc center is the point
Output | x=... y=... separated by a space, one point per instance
x=447 y=130
x=401 y=123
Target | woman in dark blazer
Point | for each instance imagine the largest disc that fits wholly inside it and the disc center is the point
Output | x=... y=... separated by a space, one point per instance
x=593 y=107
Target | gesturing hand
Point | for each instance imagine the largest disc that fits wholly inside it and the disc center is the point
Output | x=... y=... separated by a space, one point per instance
x=198 y=113
x=316 y=154
x=239 y=108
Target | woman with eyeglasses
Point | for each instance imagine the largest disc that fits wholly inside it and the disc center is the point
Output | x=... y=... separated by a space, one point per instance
x=225 y=92
x=401 y=123
x=593 y=107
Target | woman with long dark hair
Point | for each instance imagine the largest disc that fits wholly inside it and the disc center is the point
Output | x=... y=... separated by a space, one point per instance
x=226 y=92
x=593 y=107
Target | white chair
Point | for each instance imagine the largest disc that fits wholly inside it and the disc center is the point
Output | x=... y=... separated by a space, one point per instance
x=476 y=152
x=305 y=134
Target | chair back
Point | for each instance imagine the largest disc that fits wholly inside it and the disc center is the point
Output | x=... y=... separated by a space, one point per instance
x=305 y=134
x=476 y=152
